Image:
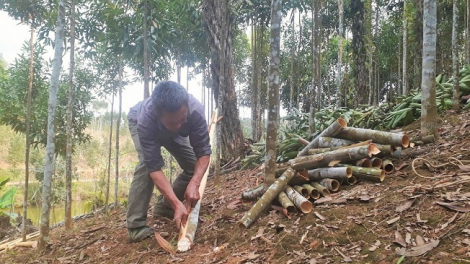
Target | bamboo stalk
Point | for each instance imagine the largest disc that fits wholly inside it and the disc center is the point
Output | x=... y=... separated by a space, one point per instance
x=343 y=155
x=330 y=173
x=323 y=150
x=330 y=184
x=330 y=131
x=371 y=174
x=286 y=202
x=365 y=162
x=330 y=142
x=385 y=150
x=301 y=202
x=253 y=193
x=314 y=194
x=376 y=162
x=321 y=189
x=271 y=193
x=350 y=181
x=419 y=141
x=302 y=191
x=302 y=141
x=381 y=137
x=388 y=166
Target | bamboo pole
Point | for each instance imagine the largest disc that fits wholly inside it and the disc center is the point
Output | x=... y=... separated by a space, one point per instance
x=381 y=137
x=314 y=194
x=330 y=131
x=286 y=202
x=301 y=202
x=388 y=166
x=302 y=191
x=419 y=141
x=376 y=162
x=350 y=181
x=330 y=184
x=342 y=155
x=321 y=189
x=188 y=230
x=271 y=193
x=365 y=162
x=253 y=193
x=323 y=150
x=371 y=174
x=330 y=173
x=303 y=141
x=385 y=150
x=330 y=142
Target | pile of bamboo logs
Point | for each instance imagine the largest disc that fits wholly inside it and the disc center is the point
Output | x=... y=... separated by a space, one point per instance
x=338 y=155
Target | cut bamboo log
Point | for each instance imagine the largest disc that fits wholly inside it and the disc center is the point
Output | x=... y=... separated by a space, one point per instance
x=323 y=150
x=419 y=141
x=9 y=244
x=302 y=191
x=301 y=202
x=286 y=202
x=314 y=194
x=330 y=184
x=321 y=189
x=380 y=137
x=188 y=230
x=329 y=173
x=343 y=155
x=376 y=162
x=330 y=142
x=388 y=166
x=330 y=131
x=302 y=141
x=271 y=193
x=349 y=181
x=254 y=193
x=385 y=150
x=365 y=162
x=370 y=174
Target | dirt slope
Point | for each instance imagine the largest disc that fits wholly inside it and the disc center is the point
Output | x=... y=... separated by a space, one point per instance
x=367 y=228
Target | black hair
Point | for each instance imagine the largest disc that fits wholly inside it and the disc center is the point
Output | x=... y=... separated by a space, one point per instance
x=169 y=96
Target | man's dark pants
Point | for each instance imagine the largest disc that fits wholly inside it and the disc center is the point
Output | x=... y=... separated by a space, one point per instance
x=142 y=185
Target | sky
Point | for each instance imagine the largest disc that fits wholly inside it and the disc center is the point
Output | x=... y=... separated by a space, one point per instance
x=13 y=35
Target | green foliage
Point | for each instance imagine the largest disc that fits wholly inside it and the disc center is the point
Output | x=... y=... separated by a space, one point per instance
x=13 y=95
x=6 y=194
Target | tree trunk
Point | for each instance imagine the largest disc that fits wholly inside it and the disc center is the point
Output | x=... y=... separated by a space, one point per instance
x=405 y=51
x=428 y=76
x=51 y=111
x=145 y=47
x=69 y=150
x=231 y=132
x=455 y=56
x=254 y=87
x=273 y=93
x=467 y=43
x=370 y=48
x=359 y=52
x=28 y=132
x=315 y=81
x=291 y=75
x=108 y=182
x=118 y=126
x=340 y=53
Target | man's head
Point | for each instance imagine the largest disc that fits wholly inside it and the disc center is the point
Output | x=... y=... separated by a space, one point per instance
x=170 y=100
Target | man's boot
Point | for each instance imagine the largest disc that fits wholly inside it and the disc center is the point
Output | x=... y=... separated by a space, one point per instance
x=162 y=209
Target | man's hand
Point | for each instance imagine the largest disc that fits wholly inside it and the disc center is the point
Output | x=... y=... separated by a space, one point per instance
x=191 y=195
x=181 y=215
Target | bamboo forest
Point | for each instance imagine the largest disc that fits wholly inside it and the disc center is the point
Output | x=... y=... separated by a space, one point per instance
x=234 y=131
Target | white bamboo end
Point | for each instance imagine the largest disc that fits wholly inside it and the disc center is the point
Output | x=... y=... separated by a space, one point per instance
x=184 y=244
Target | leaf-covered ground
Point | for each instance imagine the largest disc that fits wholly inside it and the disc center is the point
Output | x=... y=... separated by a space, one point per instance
x=364 y=223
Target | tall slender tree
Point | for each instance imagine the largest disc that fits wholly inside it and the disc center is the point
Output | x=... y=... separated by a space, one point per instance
x=118 y=126
x=455 y=56
x=404 y=67
x=340 y=52
x=69 y=147
x=273 y=92
x=28 y=130
x=110 y=146
x=428 y=82
x=359 y=52
x=52 y=103
x=145 y=38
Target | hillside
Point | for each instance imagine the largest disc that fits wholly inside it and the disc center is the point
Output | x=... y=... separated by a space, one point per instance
x=365 y=226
